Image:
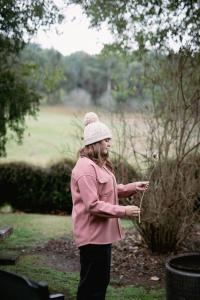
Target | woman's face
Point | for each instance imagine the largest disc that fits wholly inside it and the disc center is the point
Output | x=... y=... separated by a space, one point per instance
x=105 y=144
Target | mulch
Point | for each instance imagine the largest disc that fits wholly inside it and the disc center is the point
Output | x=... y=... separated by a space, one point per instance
x=132 y=262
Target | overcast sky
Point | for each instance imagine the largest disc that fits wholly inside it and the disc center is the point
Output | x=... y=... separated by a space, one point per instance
x=74 y=34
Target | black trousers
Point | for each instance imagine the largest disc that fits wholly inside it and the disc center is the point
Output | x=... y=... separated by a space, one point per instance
x=95 y=263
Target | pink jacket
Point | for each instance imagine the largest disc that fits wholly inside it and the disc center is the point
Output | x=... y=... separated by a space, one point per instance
x=95 y=203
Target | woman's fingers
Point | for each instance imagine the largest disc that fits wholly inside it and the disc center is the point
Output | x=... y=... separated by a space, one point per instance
x=142 y=185
x=132 y=210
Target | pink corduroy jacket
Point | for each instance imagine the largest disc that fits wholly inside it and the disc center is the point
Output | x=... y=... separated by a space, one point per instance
x=96 y=210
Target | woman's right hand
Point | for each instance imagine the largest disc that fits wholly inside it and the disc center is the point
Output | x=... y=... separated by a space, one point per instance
x=132 y=211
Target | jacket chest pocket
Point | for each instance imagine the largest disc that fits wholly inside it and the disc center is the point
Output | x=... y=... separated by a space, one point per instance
x=105 y=186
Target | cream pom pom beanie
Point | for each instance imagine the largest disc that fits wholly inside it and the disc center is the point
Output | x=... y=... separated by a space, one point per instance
x=95 y=130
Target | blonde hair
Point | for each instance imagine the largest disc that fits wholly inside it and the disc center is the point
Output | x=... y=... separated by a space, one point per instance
x=95 y=153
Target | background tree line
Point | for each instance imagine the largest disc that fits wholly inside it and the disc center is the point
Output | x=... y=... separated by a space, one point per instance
x=109 y=76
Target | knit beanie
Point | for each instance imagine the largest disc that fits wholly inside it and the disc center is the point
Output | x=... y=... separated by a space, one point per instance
x=95 y=130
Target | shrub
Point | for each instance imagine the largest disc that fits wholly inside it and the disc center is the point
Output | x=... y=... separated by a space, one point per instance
x=172 y=136
x=59 y=184
x=35 y=189
x=170 y=207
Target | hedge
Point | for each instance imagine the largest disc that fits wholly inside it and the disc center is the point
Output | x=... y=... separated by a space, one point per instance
x=36 y=189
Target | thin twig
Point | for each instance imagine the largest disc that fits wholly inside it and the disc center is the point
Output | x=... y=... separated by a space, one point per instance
x=139 y=216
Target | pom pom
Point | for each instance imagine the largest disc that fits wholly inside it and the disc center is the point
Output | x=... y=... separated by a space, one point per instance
x=90 y=117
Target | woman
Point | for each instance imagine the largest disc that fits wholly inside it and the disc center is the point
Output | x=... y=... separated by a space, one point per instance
x=96 y=211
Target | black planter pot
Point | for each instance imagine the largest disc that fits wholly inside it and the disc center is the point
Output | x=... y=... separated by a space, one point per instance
x=183 y=277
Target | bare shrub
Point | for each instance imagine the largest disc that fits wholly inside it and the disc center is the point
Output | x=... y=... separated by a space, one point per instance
x=168 y=211
x=173 y=138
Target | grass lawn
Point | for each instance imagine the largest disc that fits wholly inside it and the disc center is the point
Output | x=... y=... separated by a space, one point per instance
x=51 y=136
x=57 y=133
x=33 y=229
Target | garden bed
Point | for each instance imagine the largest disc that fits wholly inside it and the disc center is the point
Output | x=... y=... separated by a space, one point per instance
x=132 y=262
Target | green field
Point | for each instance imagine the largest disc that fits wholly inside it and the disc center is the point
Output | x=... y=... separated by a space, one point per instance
x=57 y=133
x=52 y=135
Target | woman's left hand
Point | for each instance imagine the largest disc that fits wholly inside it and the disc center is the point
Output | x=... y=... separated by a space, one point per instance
x=142 y=185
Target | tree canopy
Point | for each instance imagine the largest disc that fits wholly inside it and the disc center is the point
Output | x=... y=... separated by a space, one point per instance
x=19 y=20
x=158 y=23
